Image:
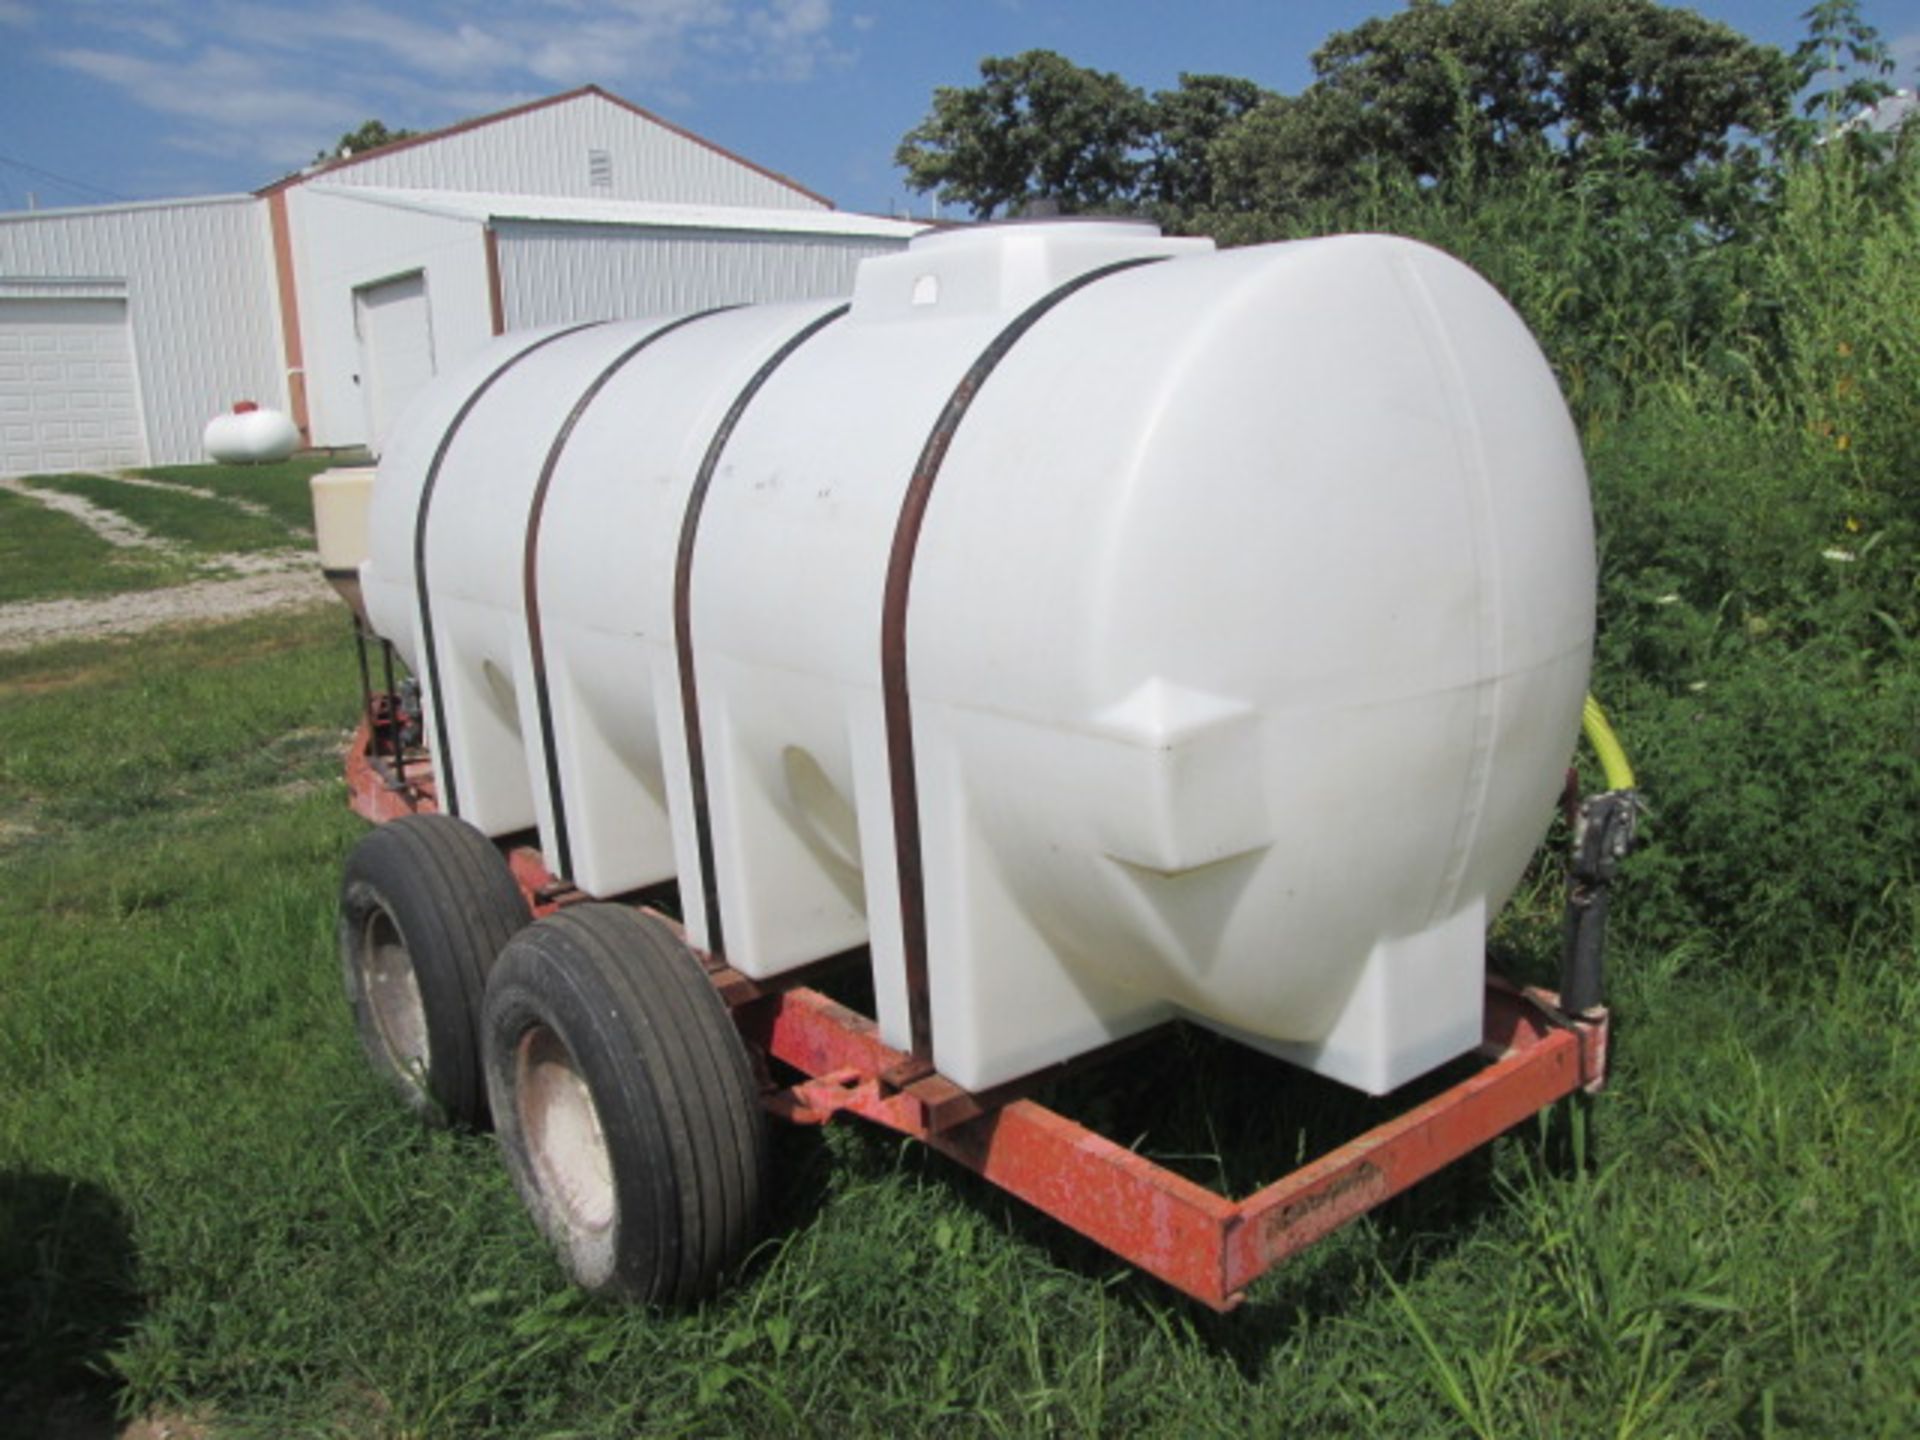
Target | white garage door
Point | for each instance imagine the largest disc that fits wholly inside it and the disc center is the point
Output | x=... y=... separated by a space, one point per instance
x=67 y=395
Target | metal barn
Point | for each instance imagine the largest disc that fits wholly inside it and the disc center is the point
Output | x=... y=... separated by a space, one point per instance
x=398 y=281
x=335 y=293
x=123 y=328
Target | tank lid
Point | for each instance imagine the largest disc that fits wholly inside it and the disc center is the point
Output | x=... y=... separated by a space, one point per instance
x=1068 y=225
x=1002 y=266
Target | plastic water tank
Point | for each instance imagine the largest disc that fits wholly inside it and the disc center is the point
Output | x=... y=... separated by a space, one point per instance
x=341 y=499
x=1100 y=627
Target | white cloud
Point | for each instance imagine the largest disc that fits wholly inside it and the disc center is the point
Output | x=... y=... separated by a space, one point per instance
x=358 y=34
x=221 y=88
x=560 y=42
x=790 y=39
x=279 y=81
x=154 y=29
x=15 y=14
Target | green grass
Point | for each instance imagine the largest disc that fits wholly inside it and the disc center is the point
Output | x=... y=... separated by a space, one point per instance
x=195 y=524
x=207 y=1203
x=45 y=555
x=281 y=488
x=48 y=556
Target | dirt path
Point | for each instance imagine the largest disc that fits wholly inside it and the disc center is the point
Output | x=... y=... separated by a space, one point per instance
x=271 y=580
x=109 y=525
x=200 y=492
x=278 y=580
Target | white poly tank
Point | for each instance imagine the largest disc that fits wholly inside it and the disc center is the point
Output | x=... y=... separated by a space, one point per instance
x=1101 y=628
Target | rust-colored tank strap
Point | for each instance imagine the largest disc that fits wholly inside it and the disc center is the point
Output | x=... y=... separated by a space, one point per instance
x=683 y=614
x=893 y=648
x=430 y=654
x=562 y=858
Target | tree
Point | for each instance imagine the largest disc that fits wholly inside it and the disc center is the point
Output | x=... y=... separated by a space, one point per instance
x=1492 y=85
x=1037 y=127
x=1472 y=87
x=1844 y=66
x=371 y=135
x=1288 y=151
x=1178 y=178
x=1847 y=55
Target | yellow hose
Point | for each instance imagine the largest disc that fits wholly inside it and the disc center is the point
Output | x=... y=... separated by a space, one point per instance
x=1606 y=746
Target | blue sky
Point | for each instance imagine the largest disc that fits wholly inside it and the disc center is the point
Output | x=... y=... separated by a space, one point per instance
x=139 y=99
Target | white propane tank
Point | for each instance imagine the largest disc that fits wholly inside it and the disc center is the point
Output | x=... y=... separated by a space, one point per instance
x=1102 y=628
x=250 y=435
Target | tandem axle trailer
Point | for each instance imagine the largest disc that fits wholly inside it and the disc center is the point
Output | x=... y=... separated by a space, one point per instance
x=700 y=1098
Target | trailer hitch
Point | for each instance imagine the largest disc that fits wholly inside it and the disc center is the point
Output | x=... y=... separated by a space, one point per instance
x=817 y=1101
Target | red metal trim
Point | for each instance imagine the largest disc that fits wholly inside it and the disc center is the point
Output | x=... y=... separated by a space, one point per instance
x=1203 y=1244
x=288 y=291
x=496 y=297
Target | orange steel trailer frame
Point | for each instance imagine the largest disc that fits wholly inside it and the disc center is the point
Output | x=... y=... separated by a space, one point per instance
x=1194 y=1239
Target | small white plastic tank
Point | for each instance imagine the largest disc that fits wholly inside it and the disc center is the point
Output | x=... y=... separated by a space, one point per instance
x=341 y=499
x=1209 y=633
x=250 y=434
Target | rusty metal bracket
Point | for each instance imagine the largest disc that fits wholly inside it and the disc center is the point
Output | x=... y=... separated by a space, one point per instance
x=815 y=1102
x=1200 y=1242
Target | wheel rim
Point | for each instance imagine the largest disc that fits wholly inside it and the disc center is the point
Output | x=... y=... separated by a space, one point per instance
x=392 y=994
x=561 y=1129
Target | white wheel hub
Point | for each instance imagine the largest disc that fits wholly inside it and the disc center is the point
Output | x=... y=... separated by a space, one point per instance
x=561 y=1129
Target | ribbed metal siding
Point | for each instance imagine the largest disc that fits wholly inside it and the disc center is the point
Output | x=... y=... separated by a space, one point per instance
x=552 y=273
x=88 y=289
x=199 y=280
x=548 y=152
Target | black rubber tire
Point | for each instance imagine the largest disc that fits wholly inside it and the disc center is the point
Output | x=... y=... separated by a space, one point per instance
x=660 y=1192
x=426 y=901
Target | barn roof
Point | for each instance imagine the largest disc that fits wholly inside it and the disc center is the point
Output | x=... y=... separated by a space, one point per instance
x=484 y=206
x=330 y=167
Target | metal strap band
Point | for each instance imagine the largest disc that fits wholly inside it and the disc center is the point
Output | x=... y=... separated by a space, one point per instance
x=562 y=859
x=683 y=615
x=430 y=653
x=893 y=648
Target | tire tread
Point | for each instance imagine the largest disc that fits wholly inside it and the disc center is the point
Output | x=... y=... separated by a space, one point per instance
x=651 y=1035
x=456 y=904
